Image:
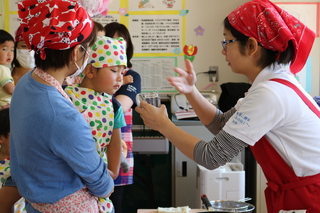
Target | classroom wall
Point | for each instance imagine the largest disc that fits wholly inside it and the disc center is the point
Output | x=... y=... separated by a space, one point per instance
x=208 y=14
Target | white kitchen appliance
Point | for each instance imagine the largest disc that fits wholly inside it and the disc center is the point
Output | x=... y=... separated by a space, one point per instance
x=224 y=183
x=180 y=102
x=185 y=172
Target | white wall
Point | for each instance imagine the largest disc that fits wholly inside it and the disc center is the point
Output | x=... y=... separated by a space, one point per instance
x=315 y=53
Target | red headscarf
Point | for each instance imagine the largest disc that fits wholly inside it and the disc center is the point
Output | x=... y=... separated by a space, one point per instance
x=54 y=24
x=273 y=27
x=19 y=36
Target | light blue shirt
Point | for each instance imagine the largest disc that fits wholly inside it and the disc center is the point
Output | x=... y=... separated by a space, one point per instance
x=52 y=151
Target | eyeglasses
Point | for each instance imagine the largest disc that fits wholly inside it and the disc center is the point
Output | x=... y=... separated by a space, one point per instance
x=225 y=42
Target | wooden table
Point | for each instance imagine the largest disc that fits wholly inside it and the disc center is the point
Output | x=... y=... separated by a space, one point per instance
x=156 y=211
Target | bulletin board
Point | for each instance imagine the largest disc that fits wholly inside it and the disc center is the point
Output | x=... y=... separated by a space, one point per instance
x=157 y=30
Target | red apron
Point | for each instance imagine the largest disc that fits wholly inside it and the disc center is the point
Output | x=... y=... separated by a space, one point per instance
x=286 y=191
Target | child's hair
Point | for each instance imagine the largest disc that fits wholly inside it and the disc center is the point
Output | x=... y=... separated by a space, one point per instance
x=115 y=27
x=98 y=26
x=5 y=36
x=4 y=122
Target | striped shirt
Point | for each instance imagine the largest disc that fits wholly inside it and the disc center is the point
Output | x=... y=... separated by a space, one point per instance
x=222 y=148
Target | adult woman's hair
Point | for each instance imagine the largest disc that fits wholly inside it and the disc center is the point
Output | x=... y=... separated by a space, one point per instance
x=18 y=37
x=15 y=62
x=114 y=27
x=267 y=56
x=61 y=58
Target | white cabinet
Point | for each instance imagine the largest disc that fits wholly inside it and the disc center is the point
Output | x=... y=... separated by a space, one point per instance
x=184 y=170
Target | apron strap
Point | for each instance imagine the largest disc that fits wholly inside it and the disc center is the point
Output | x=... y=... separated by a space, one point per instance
x=300 y=182
x=298 y=91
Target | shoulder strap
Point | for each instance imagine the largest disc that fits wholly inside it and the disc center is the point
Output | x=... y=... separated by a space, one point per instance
x=298 y=91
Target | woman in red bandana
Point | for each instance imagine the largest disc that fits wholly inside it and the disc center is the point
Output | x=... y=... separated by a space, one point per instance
x=277 y=118
x=54 y=161
x=23 y=60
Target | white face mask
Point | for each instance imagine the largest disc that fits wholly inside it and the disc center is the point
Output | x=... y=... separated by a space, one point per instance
x=80 y=69
x=25 y=58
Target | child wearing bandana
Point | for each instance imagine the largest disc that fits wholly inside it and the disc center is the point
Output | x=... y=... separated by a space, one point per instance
x=277 y=118
x=126 y=95
x=94 y=98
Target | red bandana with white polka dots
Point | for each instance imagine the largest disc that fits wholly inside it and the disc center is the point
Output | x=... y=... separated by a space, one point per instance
x=54 y=24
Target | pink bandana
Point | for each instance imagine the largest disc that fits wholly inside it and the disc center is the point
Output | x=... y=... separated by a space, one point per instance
x=54 y=24
x=273 y=27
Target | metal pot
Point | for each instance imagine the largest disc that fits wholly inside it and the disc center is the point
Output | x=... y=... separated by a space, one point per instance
x=226 y=206
x=232 y=206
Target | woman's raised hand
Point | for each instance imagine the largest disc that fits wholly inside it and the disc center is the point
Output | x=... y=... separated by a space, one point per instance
x=186 y=80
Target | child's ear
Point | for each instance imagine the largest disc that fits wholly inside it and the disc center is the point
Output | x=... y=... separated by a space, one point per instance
x=88 y=71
